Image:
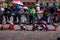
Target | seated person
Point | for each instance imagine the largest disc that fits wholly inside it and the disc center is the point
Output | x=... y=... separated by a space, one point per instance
x=55 y=25
x=35 y=27
x=4 y=27
x=11 y=26
x=44 y=26
x=23 y=27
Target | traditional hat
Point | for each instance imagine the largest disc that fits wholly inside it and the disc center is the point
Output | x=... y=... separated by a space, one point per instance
x=25 y=7
x=43 y=22
x=55 y=24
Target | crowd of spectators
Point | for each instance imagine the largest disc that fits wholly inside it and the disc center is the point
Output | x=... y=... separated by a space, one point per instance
x=49 y=14
x=29 y=15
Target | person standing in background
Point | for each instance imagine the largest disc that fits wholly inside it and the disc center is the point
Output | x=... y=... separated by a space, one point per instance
x=8 y=14
x=31 y=14
x=14 y=11
x=38 y=9
x=45 y=17
x=55 y=18
x=1 y=13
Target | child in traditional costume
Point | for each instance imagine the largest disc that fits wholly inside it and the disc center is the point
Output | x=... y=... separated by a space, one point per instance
x=55 y=26
x=4 y=27
x=35 y=27
x=11 y=27
x=43 y=26
x=23 y=27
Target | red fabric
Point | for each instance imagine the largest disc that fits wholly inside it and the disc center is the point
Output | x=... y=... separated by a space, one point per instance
x=58 y=12
x=56 y=15
x=11 y=27
x=46 y=26
x=55 y=25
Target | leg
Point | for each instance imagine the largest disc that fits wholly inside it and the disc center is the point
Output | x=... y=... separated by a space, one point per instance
x=14 y=18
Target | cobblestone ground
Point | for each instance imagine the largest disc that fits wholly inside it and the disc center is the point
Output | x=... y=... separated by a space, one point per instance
x=29 y=35
x=24 y=35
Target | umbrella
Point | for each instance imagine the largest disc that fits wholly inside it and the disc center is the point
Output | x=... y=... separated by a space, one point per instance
x=18 y=6
x=44 y=22
x=40 y=11
x=17 y=2
x=25 y=7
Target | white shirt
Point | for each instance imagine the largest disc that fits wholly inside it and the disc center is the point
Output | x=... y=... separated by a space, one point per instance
x=2 y=9
x=38 y=8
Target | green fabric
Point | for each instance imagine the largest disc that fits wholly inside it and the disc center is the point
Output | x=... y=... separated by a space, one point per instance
x=31 y=11
x=40 y=15
x=22 y=15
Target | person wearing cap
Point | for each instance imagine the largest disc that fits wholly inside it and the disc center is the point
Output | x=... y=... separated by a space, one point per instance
x=11 y=26
x=55 y=25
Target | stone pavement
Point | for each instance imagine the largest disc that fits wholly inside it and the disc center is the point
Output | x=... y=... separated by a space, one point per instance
x=29 y=35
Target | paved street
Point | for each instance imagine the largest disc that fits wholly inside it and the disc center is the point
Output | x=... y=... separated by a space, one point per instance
x=29 y=35
x=24 y=35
